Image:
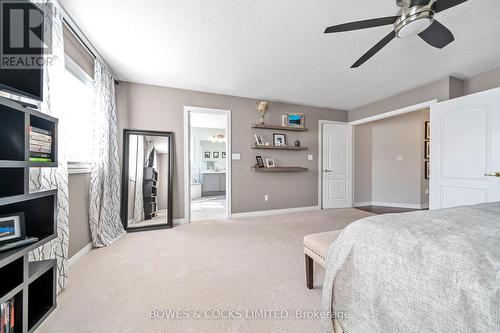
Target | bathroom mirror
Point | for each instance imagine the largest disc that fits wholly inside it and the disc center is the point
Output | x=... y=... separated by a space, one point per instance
x=147 y=180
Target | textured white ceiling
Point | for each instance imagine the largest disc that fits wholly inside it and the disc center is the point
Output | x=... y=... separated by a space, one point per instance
x=276 y=49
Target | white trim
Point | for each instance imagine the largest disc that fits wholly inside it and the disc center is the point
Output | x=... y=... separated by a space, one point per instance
x=391 y=204
x=77 y=71
x=79 y=167
x=187 y=163
x=397 y=112
x=321 y=122
x=274 y=212
x=79 y=255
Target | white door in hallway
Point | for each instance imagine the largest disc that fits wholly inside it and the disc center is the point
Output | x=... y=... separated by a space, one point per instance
x=336 y=165
x=465 y=150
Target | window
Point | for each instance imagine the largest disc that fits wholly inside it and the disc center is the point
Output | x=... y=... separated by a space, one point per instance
x=78 y=117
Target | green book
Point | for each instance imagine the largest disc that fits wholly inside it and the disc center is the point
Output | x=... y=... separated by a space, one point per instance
x=40 y=159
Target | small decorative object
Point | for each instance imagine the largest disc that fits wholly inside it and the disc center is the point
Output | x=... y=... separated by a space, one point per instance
x=267 y=144
x=219 y=138
x=427 y=153
x=262 y=108
x=207 y=154
x=270 y=163
x=11 y=228
x=427 y=170
x=260 y=162
x=279 y=140
x=295 y=120
x=216 y=154
x=297 y=143
x=258 y=140
x=223 y=154
x=427 y=130
x=284 y=120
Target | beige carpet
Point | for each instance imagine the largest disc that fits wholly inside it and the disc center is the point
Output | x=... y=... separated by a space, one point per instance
x=239 y=265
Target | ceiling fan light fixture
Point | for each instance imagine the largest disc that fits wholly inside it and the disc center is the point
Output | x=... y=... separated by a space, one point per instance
x=414 y=24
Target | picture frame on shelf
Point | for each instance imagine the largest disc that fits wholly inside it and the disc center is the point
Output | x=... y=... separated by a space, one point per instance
x=206 y=154
x=284 y=120
x=12 y=228
x=260 y=161
x=427 y=150
x=279 y=139
x=270 y=163
x=427 y=130
x=427 y=170
x=258 y=140
x=295 y=120
x=215 y=154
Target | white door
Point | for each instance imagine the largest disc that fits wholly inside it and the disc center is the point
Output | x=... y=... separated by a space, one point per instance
x=465 y=148
x=336 y=166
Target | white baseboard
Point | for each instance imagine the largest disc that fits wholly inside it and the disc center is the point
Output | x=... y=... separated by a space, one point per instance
x=179 y=221
x=274 y=212
x=79 y=255
x=391 y=204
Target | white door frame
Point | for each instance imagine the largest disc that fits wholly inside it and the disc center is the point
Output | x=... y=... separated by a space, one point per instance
x=187 y=155
x=320 y=158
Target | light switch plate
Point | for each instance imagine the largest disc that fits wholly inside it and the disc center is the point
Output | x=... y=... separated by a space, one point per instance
x=400 y=158
x=310 y=157
x=236 y=157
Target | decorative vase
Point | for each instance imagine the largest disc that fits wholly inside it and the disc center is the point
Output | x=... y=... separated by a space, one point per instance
x=297 y=143
x=262 y=108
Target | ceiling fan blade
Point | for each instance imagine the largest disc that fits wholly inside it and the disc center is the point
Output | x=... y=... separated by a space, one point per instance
x=446 y=4
x=362 y=24
x=419 y=2
x=437 y=35
x=375 y=49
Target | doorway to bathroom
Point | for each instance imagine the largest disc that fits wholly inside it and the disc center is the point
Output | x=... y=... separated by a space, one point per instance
x=207 y=164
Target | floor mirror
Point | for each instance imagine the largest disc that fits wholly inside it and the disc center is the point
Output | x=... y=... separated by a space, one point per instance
x=147 y=180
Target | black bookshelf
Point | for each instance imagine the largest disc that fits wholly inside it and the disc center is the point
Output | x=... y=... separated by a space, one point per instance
x=150 y=192
x=32 y=285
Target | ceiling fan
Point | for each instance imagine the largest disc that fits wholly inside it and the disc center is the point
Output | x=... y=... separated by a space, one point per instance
x=416 y=17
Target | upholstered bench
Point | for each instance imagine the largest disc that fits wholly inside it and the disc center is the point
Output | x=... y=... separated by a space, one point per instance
x=315 y=248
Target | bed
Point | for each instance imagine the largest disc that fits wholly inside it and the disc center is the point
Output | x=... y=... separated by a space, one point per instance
x=425 y=271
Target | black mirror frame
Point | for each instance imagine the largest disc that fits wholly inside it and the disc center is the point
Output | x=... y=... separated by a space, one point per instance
x=125 y=177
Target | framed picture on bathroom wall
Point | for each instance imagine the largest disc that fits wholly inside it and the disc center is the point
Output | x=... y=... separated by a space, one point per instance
x=223 y=154
x=206 y=154
x=216 y=154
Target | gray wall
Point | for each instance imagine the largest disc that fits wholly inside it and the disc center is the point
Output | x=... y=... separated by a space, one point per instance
x=439 y=90
x=447 y=88
x=377 y=169
x=79 y=230
x=78 y=184
x=481 y=82
x=159 y=108
x=363 y=163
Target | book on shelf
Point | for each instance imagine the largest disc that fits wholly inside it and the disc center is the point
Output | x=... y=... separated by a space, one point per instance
x=7 y=316
x=40 y=155
x=40 y=137
x=40 y=149
x=40 y=131
x=41 y=143
x=40 y=159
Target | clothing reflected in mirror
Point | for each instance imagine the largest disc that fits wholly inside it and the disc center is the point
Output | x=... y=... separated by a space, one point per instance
x=148 y=180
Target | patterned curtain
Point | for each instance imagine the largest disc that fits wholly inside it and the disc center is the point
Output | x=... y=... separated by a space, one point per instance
x=104 y=211
x=49 y=178
x=139 y=181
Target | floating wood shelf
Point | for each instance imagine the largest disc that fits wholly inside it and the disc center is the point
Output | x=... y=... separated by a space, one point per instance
x=278 y=127
x=280 y=169
x=279 y=147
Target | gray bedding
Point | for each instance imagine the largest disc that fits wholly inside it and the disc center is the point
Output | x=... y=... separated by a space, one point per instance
x=425 y=271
